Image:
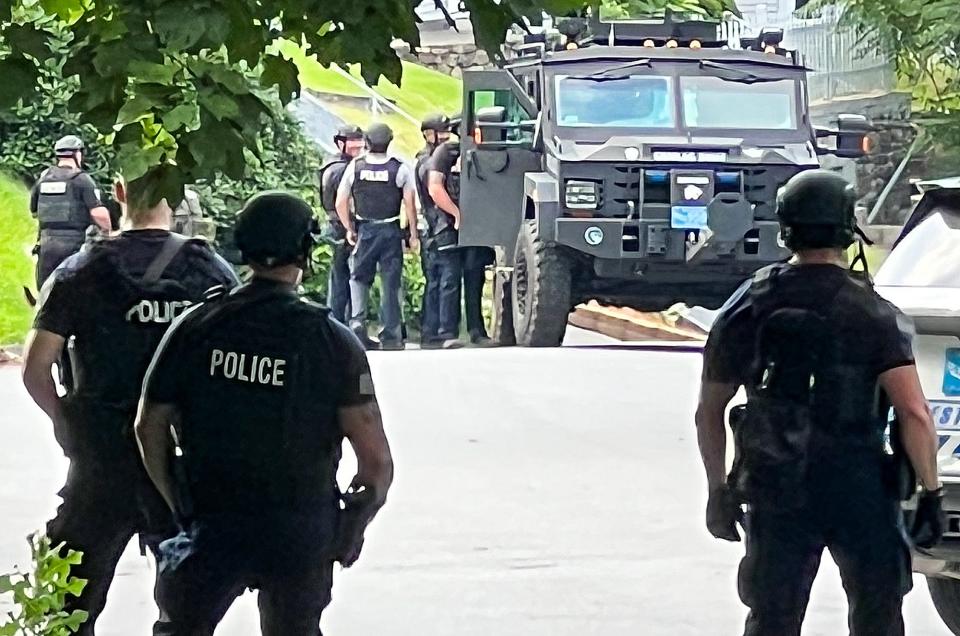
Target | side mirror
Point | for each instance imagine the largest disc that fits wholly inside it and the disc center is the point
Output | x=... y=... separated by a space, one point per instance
x=851 y=137
x=492 y=115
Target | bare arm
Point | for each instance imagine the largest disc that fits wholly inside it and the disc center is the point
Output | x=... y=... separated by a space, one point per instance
x=917 y=431
x=438 y=192
x=343 y=210
x=363 y=427
x=101 y=216
x=156 y=445
x=41 y=352
x=711 y=431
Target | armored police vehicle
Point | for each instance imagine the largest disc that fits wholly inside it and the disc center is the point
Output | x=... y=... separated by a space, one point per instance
x=635 y=163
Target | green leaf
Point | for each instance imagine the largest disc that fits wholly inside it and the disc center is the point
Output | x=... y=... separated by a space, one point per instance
x=67 y=10
x=19 y=80
x=178 y=26
x=135 y=108
x=220 y=105
x=26 y=38
x=283 y=74
x=182 y=116
x=136 y=161
x=150 y=72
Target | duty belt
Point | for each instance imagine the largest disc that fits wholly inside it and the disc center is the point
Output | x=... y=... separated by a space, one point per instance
x=392 y=219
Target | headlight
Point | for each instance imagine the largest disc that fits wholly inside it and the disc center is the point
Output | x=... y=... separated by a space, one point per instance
x=582 y=194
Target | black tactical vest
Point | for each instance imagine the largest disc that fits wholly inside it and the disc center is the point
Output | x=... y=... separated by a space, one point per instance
x=330 y=175
x=128 y=317
x=376 y=196
x=258 y=429
x=59 y=206
x=804 y=399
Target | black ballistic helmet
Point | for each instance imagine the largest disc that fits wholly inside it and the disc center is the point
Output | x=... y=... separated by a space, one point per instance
x=348 y=132
x=379 y=137
x=437 y=122
x=274 y=229
x=66 y=146
x=816 y=210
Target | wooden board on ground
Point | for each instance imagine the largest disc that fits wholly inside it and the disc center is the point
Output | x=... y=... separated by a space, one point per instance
x=629 y=325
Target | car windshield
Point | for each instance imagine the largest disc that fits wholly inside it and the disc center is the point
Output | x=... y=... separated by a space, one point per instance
x=712 y=102
x=634 y=101
x=929 y=256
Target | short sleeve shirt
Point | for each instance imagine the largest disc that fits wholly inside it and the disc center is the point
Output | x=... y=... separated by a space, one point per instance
x=86 y=190
x=870 y=331
x=406 y=180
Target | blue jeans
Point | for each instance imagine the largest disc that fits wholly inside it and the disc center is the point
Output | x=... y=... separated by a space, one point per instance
x=338 y=285
x=441 y=298
x=378 y=246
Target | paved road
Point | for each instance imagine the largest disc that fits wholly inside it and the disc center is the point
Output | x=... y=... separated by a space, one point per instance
x=540 y=493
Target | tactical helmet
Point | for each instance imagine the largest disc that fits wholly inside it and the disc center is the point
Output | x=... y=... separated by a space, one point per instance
x=348 y=132
x=437 y=122
x=379 y=137
x=816 y=210
x=275 y=228
x=66 y=146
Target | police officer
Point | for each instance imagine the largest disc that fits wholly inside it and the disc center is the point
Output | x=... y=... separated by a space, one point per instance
x=444 y=190
x=815 y=347
x=109 y=305
x=349 y=141
x=261 y=388
x=375 y=186
x=65 y=201
x=440 y=324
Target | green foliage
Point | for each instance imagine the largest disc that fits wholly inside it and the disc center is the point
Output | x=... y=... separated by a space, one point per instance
x=39 y=596
x=167 y=83
x=623 y=9
x=16 y=268
x=414 y=285
x=921 y=37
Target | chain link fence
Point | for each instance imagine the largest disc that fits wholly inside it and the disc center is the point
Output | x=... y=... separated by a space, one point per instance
x=842 y=64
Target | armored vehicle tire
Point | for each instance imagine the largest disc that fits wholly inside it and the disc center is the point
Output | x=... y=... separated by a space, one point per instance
x=502 y=328
x=946 y=598
x=541 y=290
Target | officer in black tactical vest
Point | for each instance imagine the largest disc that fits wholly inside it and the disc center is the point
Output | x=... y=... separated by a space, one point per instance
x=444 y=189
x=65 y=201
x=822 y=357
x=349 y=141
x=371 y=192
x=440 y=323
x=261 y=388
x=109 y=305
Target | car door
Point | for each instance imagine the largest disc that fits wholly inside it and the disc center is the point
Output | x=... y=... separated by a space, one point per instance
x=493 y=168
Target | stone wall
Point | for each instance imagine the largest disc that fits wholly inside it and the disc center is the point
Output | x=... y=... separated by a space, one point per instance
x=890 y=114
x=447 y=59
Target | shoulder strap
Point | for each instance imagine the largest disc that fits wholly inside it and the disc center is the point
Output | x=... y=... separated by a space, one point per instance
x=171 y=247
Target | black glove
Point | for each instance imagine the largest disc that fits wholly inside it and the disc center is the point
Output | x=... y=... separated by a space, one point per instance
x=929 y=520
x=352 y=523
x=723 y=513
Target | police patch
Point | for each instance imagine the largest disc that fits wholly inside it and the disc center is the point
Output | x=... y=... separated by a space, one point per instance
x=53 y=187
x=366 y=384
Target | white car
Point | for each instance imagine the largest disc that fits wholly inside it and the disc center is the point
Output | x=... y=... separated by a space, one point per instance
x=922 y=277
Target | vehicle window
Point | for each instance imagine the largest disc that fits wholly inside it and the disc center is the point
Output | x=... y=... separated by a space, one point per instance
x=637 y=101
x=712 y=102
x=929 y=256
x=515 y=112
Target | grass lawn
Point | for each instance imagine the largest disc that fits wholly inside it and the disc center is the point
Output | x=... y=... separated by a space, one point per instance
x=422 y=92
x=16 y=264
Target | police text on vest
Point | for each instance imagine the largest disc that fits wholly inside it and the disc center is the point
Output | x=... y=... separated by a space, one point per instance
x=157 y=311
x=381 y=176
x=254 y=369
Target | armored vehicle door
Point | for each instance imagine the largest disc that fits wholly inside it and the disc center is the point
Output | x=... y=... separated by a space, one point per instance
x=497 y=148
